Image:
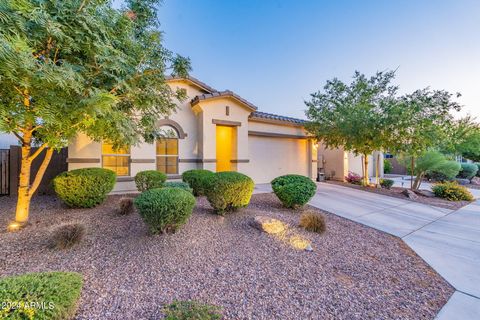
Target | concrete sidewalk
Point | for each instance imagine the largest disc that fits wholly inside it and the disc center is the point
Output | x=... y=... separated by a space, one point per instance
x=447 y=240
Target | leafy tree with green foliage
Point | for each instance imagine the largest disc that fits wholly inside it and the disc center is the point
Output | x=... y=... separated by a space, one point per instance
x=79 y=66
x=353 y=116
x=463 y=139
x=431 y=161
x=420 y=121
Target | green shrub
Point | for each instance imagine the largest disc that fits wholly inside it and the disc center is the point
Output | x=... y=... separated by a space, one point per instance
x=84 y=188
x=469 y=170
x=191 y=310
x=178 y=184
x=478 y=166
x=197 y=180
x=387 y=166
x=165 y=209
x=149 y=179
x=228 y=191
x=67 y=236
x=386 y=183
x=44 y=295
x=436 y=176
x=452 y=191
x=293 y=190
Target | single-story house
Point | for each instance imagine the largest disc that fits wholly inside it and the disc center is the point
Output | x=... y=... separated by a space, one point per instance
x=214 y=130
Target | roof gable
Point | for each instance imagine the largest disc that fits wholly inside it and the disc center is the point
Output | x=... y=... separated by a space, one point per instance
x=193 y=81
x=224 y=94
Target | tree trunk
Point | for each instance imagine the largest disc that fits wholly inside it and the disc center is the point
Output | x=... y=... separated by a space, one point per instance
x=377 y=169
x=418 y=181
x=25 y=190
x=366 y=180
x=412 y=164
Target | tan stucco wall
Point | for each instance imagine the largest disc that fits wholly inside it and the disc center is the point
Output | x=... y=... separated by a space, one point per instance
x=334 y=162
x=256 y=125
x=215 y=109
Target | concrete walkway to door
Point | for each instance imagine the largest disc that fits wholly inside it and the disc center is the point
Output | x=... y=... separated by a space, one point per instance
x=447 y=240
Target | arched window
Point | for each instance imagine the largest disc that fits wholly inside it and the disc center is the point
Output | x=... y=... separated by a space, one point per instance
x=167 y=151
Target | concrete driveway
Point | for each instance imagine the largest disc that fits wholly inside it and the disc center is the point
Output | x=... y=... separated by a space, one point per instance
x=447 y=240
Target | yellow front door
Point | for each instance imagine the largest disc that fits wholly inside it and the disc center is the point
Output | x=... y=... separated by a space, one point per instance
x=226 y=147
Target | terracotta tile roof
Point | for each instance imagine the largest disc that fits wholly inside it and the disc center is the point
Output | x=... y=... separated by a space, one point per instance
x=270 y=116
x=195 y=81
x=226 y=93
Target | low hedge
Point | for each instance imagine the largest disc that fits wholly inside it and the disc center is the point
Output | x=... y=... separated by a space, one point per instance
x=164 y=210
x=386 y=183
x=44 y=295
x=197 y=180
x=149 y=179
x=452 y=191
x=84 y=188
x=228 y=191
x=293 y=190
x=178 y=184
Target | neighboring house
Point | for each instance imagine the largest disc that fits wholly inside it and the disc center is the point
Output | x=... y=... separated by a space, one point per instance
x=336 y=163
x=214 y=130
x=6 y=140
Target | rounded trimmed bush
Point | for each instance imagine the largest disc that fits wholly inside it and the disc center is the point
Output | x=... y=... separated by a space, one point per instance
x=198 y=180
x=149 y=179
x=229 y=190
x=178 y=184
x=452 y=191
x=84 y=188
x=386 y=183
x=165 y=209
x=293 y=190
x=469 y=170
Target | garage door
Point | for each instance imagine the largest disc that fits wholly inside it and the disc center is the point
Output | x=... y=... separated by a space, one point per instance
x=273 y=157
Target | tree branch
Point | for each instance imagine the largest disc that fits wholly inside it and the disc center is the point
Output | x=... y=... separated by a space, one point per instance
x=18 y=137
x=41 y=172
x=39 y=150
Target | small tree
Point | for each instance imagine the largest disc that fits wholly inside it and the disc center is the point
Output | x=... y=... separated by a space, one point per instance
x=353 y=116
x=420 y=121
x=80 y=66
x=431 y=161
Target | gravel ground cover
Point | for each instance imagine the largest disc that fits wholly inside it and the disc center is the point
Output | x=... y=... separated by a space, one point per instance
x=354 y=271
x=396 y=192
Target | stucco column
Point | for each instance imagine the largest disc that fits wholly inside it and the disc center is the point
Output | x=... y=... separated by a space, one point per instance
x=313 y=159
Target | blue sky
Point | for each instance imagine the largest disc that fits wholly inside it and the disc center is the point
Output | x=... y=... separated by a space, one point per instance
x=274 y=53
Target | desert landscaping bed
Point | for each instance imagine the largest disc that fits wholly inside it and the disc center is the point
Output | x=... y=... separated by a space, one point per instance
x=353 y=272
x=396 y=192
